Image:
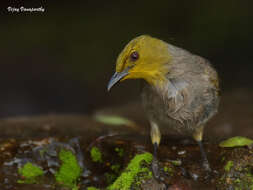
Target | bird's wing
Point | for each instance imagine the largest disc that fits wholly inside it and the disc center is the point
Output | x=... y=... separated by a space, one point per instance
x=177 y=98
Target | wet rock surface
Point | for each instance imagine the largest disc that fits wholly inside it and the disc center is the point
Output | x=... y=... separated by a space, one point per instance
x=40 y=152
x=104 y=159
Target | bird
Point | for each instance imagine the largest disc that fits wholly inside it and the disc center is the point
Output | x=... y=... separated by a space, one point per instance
x=180 y=90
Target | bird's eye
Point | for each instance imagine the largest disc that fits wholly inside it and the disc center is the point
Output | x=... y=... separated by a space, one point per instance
x=134 y=56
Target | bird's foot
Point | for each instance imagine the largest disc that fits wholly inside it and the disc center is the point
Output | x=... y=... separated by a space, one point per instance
x=209 y=173
x=205 y=162
x=155 y=168
x=206 y=166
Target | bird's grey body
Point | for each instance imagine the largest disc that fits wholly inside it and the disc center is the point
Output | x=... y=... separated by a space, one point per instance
x=188 y=98
x=181 y=90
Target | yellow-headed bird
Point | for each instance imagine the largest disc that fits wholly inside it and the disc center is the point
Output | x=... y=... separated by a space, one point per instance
x=181 y=90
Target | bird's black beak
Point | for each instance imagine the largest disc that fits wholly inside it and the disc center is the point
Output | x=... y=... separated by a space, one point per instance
x=116 y=77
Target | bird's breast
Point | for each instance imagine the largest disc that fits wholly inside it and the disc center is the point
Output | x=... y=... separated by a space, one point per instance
x=162 y=110
x=180 y=106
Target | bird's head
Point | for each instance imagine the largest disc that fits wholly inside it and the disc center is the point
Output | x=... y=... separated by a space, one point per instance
x=143 y=57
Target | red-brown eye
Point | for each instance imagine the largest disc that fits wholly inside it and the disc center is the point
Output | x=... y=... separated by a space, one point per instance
x=134 y=56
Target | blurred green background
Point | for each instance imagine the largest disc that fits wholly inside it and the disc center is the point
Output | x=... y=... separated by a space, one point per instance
x=60 y=61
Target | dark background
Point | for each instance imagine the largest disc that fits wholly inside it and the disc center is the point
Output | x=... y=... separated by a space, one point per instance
x=60 y=61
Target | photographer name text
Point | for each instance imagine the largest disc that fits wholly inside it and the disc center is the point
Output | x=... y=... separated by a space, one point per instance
x=25 y=9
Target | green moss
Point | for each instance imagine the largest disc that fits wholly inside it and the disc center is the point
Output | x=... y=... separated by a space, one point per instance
x=128 y=177
x=120 y=151
x=176 y=162
x=168 y=170
x=228 y=165
x=115 y=168
x=29 y=172
x=245 y=182
x=238 y=178
x=236 y=141
x=110 y=177
x=148 y=174
x=114 y=120
x=92 y=188
x=69 y=171
x=96 y=155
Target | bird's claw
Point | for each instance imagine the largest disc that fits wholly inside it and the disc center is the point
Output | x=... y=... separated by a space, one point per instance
x=206 y=166
x=155 y=168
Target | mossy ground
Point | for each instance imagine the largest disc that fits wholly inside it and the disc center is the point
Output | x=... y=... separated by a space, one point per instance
x=92 y=188
x=69 y=171
x=236 y=142
x=130 y=174
x=29 y=172
x=237 y=171
x=228 y=165
x=96 y=155
x=120 y=151
x=234 y=166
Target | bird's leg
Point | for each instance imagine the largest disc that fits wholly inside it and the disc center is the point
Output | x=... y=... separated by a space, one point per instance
x=155 y=138
x=204 y=157
x=198 y=135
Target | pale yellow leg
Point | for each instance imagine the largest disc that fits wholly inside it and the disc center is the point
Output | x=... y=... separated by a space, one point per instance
x=198 y=134
x=155 y=138
x=155 y=133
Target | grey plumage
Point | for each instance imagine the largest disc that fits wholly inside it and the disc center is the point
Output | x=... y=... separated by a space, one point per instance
x=189 y=97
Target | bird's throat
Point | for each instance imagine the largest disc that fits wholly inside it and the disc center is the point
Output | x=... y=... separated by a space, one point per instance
x=156 y=78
